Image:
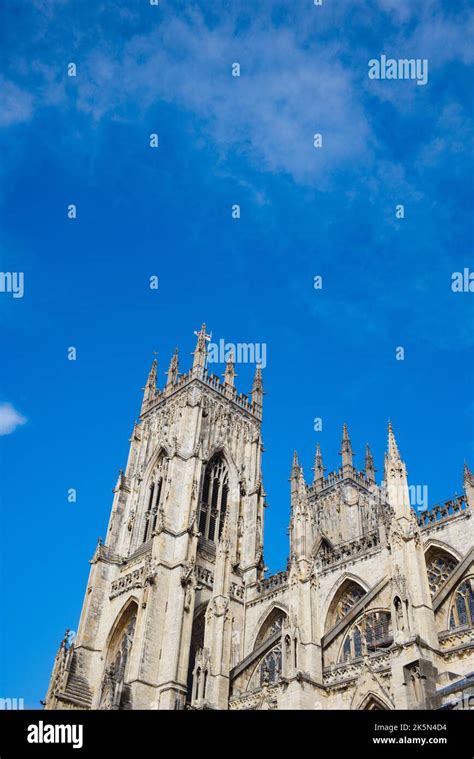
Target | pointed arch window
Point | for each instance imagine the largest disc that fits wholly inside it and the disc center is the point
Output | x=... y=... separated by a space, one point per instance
x=214 y=498
x=439 y=565
x=154 y=498
x=462 y=606
x=272 y=624
x=346 y=597
x=369 y=632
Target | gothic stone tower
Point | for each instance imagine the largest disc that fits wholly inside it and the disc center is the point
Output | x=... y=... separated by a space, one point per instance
x=375 y=609
x=163 y=615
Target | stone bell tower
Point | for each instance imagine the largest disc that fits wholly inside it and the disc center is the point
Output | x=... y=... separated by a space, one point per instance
x=162 y=619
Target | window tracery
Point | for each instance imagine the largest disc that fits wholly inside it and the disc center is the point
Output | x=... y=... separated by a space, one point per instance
x=270 y=667
x=155 y=498
x=369 y=632
x=462 y=607
x=348 y=600
x=272 y=624
x=214 y=498
x=439 y=566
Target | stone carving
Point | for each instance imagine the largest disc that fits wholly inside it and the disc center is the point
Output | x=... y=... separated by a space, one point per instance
x=188 y=581
x=131 y=521
x=220 y=604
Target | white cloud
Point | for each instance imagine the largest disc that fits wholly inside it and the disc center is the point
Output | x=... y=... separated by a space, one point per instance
x=293 y=84
x=17 y=104
x=10 y=419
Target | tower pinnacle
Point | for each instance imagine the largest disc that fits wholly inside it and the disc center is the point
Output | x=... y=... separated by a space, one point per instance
x=318 y=466
x=149 y=391
x=229 y=373
x=295 y=467
x=257 y=387
x=469 y=485
x=395 y=477
x=346 y=453
x=173 y=370
x=369 y=465
x=200 y=352
x=392 y=443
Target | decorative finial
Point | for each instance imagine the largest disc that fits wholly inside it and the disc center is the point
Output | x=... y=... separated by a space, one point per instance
x=257 y=387
x=318 y=465
x=369 y=464
x=346 y=452
x=295 y=464
x=229 y=373
x=173 y=370
x=200 y=352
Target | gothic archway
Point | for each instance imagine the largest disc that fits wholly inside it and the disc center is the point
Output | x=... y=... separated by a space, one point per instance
x=345 y=598
x=273 y=622
x=115 y=692
x=373 y=703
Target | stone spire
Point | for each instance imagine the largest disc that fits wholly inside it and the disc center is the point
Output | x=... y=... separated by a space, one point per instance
x=301 y=523
x=149 y=391
x=369 y=465
x=392 y=443
x=173 y=371
x=200 y=353
x=257 y=387
x=295 y=467
x=318 y=468
x=392 y=453
x=294 y=480
x=395 y=476
x=346 y=453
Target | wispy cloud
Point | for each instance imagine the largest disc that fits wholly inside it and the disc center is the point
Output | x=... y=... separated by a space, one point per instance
x=17 y=104
x=10 y=419
x=383 y=142
x=295 y=81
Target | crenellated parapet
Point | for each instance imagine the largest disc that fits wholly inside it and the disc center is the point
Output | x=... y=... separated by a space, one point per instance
x=154 y=396
x=446 y=511
x=330 y=556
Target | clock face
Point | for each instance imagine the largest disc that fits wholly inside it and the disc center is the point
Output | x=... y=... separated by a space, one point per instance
x=350 y=495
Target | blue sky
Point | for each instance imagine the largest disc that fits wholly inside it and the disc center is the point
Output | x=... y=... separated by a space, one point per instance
x=167 y=212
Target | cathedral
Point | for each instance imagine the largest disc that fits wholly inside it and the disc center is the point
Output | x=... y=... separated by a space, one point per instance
x=375 y=609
